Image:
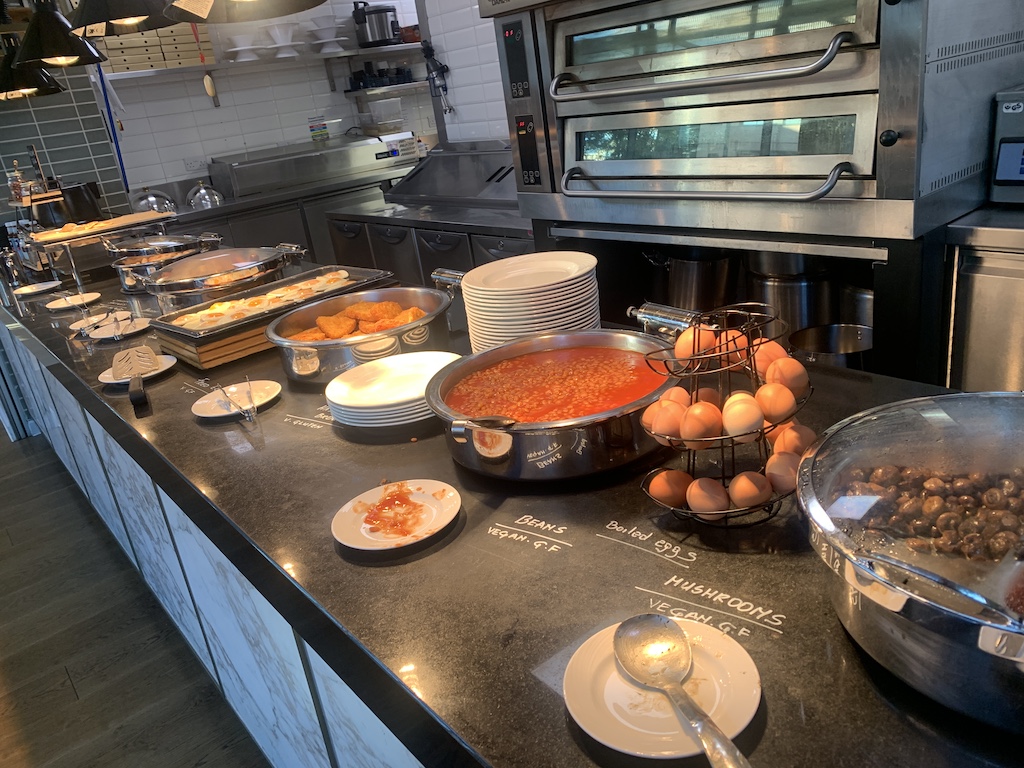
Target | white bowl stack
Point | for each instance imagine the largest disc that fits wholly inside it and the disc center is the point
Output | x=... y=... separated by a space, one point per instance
x=532 y=293
x=389 y=392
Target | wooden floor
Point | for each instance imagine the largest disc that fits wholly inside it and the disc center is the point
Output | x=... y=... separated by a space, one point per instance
x=92 y=671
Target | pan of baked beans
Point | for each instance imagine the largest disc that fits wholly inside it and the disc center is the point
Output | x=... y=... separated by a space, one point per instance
x=550 y=406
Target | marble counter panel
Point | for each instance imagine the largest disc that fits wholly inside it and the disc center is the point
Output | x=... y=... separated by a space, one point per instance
x=151 y=541
x=256 y=652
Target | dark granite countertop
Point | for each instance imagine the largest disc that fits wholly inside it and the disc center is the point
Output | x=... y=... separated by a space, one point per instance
x=488 y=615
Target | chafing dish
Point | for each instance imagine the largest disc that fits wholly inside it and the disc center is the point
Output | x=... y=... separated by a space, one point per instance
x=933 y=600
x=205 y=276
x=139 y=257
x=550 y=451
x=321 y=361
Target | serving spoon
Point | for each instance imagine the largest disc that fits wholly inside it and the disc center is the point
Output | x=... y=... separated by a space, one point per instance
x=654 y=651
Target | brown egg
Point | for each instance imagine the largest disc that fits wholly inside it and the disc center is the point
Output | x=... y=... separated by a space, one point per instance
x=765 y=353
x=694 y=341
x=733 y=345
x=667 y=419
x=679 y=394
x=795 y=439
x=647 y=417
x=742 y=419
x=790 y=373
x=708 y=395
x=669 y=487
x=706 y=494
x=776 y=401
x=700 y=420
x=748 y=489
x=736 y=397
x=772 y=431
x=780 y=470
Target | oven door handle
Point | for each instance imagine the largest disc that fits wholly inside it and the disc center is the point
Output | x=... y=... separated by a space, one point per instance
x=745 y=78
x=577 y=174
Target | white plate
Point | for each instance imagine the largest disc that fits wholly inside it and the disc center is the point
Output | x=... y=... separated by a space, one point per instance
x=165 y=362
x=538 y=321
x=214 y=405
x=32 y=290
x=120 y=328
x=574 y=283
x=528 y=272
x=583 y=292
x=640 y=721
x=390 y=421
x=389 y=381
x=101 y=319
x=440 y=504
x=73 y=301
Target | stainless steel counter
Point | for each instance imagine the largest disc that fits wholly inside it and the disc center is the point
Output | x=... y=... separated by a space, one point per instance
x=495 y=222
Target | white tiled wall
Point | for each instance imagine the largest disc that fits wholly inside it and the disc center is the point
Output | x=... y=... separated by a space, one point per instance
x=467 y=44
x=169 y=118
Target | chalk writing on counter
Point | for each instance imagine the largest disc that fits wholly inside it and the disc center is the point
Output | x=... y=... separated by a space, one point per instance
x=715 y=600
x=632 y=536
x=302 y=421
x=526 y=531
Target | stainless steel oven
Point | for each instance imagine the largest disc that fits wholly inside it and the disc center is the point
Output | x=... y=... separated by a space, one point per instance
x=843 y=118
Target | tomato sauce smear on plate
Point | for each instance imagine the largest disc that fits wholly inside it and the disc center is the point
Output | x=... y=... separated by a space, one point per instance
x=395 y=513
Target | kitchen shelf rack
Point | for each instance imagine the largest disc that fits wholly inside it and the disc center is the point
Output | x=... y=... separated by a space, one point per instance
x=270 y=64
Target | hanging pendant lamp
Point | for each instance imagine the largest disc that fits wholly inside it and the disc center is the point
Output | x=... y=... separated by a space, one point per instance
x=104 y=18
x=49 y=40
x=15 y=83
x=231 y=11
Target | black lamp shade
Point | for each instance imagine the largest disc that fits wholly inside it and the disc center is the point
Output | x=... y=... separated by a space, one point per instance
x=98 y=16
x=231 y=11
x=23 y=82
x=50 y=41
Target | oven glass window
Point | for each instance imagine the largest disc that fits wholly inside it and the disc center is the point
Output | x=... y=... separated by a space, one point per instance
x=831 y=135
x=743 y=21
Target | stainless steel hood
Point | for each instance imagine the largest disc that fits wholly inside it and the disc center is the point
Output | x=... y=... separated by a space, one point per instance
x=275 y=168
x=478 y=175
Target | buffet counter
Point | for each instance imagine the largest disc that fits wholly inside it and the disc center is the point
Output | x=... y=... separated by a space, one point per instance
x=453 y=652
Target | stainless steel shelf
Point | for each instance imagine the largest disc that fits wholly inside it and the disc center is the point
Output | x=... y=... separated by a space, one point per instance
x=269 y=64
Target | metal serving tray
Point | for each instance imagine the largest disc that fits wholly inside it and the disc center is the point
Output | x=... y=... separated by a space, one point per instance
x=360 y=278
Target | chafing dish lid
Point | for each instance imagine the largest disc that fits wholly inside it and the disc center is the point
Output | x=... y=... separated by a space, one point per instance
x=215 y=269
x=151 y=246
x=859 y=482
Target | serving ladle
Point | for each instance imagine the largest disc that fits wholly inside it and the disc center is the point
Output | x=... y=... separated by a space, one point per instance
x=654 y=651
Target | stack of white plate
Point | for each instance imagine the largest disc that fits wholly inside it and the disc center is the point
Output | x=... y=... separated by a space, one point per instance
x=532 y=293
x=389 y=392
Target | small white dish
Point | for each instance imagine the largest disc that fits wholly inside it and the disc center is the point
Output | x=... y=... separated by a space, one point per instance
x=73 y=301
x=165 y=363
x=636 y=720
x=37 y=288
x=214 y=405
x=432 y=505
x=118 y=329
x=101 y=319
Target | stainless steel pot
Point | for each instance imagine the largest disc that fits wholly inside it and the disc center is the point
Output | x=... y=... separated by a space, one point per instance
x=320 y=361
x=137 y=258
x=799 y=301
x=949 y=626
x=841 y=345
x=548 y=451
x=376 y=24
x=205 y=276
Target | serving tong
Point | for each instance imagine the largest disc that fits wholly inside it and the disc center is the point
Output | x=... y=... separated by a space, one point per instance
x=250 y=412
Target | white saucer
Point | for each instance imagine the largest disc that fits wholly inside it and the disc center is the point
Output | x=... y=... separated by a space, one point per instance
x=119 y=329
x=440 y=503
x=213 y=405
x=640 y=721
x=73 y=301
x=165 y=362
x=103 y=318
x=37 y=288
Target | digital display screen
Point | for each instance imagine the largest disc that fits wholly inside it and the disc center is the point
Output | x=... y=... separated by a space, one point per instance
x=1010 y=162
